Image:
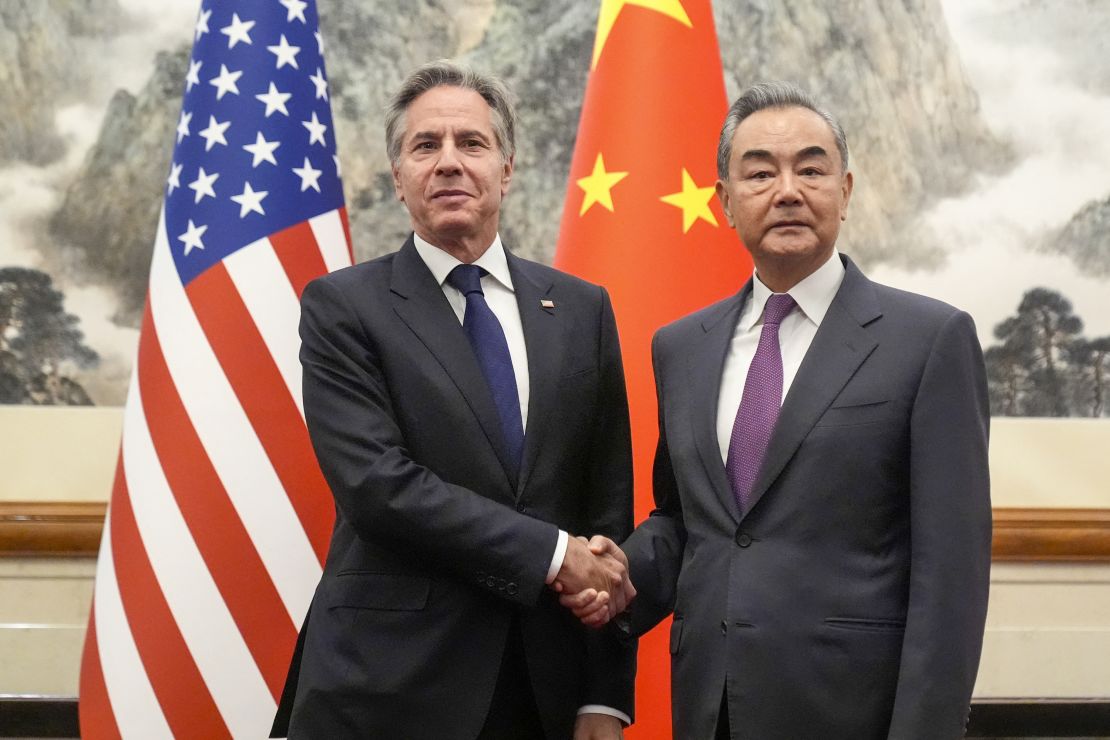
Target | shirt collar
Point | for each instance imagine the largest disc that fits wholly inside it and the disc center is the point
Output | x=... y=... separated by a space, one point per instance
x=493 y=261
x=813 y=295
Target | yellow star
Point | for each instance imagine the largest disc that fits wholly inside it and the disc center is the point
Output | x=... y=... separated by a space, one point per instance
x=693 y=201
x=598 y=186
x=610 y=9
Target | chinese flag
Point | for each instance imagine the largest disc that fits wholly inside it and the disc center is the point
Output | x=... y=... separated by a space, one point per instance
x=641 y=218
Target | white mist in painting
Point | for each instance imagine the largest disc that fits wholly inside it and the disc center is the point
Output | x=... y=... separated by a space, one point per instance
x=1044 y=87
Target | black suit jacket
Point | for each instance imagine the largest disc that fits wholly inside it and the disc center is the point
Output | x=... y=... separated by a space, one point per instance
x=437 y=546
x=849 y=601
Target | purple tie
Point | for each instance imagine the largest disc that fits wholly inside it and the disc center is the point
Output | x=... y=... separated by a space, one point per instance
x=759 y=405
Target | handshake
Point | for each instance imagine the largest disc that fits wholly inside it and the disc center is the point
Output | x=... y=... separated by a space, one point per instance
x=593 y=581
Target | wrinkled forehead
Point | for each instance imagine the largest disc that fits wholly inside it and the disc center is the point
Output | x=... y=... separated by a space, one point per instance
x=786 y=132
x=445 y=107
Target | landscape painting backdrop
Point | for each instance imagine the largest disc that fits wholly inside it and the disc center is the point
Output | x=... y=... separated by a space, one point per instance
x=977 y=131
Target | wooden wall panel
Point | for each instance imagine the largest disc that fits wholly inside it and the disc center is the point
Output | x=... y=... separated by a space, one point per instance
x=1047 y=535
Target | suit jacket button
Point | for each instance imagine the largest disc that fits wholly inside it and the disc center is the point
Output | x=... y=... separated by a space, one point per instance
x=743 y=539
x=522 y=508
x=511 y=589
x=491 y=582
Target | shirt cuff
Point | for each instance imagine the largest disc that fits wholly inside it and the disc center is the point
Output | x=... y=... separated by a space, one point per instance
x=557 y=558
x=601 y=709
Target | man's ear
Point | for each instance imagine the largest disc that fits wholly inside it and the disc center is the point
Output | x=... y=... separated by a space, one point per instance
x=397 y=183
x=506 y=176
x=846 y=193
x=723 y=196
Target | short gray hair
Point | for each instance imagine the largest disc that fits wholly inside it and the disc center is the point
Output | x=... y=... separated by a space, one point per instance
x=445 y=73
x=761 y=96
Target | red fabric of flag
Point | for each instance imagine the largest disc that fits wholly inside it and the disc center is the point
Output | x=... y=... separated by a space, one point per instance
x=641 y=218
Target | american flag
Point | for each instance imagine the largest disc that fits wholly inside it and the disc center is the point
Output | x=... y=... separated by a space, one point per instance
x=219 y=519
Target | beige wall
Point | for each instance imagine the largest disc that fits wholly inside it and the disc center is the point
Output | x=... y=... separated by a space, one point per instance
x=44 y=609
x=58 y=453
x=1048 y=632
x=1049 y=463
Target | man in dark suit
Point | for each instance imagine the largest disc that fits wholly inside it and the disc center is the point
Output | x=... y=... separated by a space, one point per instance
x=468 y=410
x=823 y=522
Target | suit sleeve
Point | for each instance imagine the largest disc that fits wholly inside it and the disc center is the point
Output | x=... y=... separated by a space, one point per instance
x=611 y=656
x=950 y=531
x=655 y=549
x=378 y=487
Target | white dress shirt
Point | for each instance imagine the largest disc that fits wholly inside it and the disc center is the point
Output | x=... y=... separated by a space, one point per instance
x=813 y=295
x=501 y=298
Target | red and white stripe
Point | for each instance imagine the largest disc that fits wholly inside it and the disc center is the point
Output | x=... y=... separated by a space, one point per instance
x=220 y=518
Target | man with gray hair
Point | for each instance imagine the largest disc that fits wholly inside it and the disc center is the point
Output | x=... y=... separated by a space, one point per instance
x=823 y=523
x=468 y=410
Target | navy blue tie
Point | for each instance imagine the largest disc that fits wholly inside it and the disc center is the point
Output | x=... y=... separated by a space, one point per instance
x=488 y=340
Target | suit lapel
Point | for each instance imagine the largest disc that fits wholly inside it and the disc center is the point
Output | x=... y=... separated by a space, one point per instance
x=840 y=346
x=706 y=363
x=419 y=301
x=544 y=337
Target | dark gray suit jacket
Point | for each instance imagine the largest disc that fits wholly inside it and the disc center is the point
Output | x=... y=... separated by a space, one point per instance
x=437 y=545
x=849 y=602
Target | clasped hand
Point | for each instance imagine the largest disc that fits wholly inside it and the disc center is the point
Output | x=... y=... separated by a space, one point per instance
x=593 y=582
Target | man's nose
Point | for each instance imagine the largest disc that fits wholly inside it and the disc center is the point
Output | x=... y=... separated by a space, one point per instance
x=788 y=193
x=448 y=161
